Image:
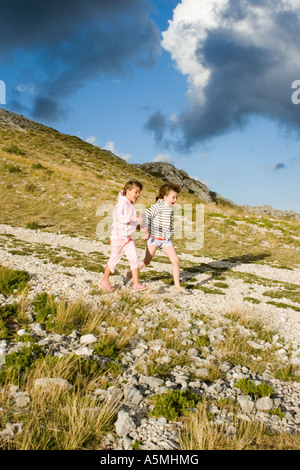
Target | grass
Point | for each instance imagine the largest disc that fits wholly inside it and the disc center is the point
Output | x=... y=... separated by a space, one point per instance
x=201 y=433
x=58 y=181
x=11 y=280
x=54 y=182
x=61 y=421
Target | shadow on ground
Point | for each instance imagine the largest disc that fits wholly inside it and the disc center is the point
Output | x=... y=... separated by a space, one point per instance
x=216 y=268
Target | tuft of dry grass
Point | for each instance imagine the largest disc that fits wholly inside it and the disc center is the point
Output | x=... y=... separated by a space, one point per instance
x=58 y=419
x=200 y=433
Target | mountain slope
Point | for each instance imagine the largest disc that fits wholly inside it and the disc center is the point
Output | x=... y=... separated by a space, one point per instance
x=168 y=172
x=56 y=182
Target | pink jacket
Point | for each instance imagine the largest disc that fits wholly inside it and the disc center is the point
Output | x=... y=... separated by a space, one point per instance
x=124 y=219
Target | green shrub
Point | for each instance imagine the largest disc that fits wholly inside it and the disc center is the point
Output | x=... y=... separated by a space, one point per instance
x=32 y=225
x=174 y=403
x=30 y=187
x=249 y=388
x=6 y=312
x=37 y=166
x=107 y=347
x=44 y=306
x=14 y=149
x=17 y=362
x=12 y=168
x=277 y=412
x=202 y=341
x=11 y=279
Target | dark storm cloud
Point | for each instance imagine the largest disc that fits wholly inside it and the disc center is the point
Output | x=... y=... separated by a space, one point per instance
x=157 y=123
x=292 y=162
x=252 y=55
x=76 y=41
x=279 y=166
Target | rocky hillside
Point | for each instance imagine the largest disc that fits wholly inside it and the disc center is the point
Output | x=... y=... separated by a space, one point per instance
x=168 y=172
x=156 y=371
x=85 y=369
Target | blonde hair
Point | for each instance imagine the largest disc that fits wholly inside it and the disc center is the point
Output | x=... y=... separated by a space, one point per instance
x=166 y=188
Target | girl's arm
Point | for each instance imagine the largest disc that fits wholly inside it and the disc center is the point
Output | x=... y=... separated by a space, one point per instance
x=148 y=215
x=123 y=215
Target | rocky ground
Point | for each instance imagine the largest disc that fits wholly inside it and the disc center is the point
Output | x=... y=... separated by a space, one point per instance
x=203 y=314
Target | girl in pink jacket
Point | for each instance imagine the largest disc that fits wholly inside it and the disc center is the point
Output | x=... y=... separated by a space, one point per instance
x=125 y=222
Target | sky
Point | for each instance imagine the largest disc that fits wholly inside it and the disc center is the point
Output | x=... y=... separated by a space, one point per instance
x=212 y=87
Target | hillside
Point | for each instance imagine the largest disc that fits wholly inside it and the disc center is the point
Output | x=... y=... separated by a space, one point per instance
x=229 y=352
x=55 y=182
x=168 y=172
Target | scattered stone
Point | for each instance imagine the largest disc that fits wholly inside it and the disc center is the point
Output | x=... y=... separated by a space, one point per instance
x=124 y=424
x=245 y=403
x=47 y=383
x=134 y=388
x=88 y=339
x=264 y=404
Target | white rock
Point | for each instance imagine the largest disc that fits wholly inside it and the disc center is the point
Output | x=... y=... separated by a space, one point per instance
x=245 y=403
x=153 y=382
x=49 y=382
x=22 y=332
x=38 y=328
x=124 y=423
x=132 y=394
x=88 y=339
x=264 y=404
x=255 y=345
x=84 y=351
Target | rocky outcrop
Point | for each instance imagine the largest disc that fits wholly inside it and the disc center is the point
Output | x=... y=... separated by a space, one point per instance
x=168 y=172
x=271 y=212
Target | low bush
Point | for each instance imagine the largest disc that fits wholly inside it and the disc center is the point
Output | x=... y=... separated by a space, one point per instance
x=11 y=279
x=174 y=403
x=249 y=388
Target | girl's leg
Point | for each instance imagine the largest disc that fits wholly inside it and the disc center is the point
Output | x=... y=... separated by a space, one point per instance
x=115 y=256
x=171 y=253
x=105 y=280
x=107 y=273
x=132 y=256
x=135 y=276
x=150 y=252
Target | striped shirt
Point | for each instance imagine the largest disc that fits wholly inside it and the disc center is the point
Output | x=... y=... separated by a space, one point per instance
x=158 y=219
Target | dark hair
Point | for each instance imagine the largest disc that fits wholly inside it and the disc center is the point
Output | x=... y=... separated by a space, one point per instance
x=166 y=188
x=130 y=184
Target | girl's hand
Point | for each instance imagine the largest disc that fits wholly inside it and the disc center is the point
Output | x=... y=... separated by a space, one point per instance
x=146 y=233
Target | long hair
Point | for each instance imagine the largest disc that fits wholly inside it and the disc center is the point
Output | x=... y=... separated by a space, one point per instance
x=166 y=188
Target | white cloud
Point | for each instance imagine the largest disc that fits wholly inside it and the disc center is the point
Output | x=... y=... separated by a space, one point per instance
x=22 y=87
x=194 y=19
x=240 y=58
x=174 y=118
x=91 y=140
x=110 y=145
x=166 y=158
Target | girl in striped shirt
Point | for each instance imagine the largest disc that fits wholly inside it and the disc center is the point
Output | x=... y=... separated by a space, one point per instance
x=158 y=224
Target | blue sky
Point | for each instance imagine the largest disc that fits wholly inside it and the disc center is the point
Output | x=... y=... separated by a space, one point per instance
x=206 y=86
